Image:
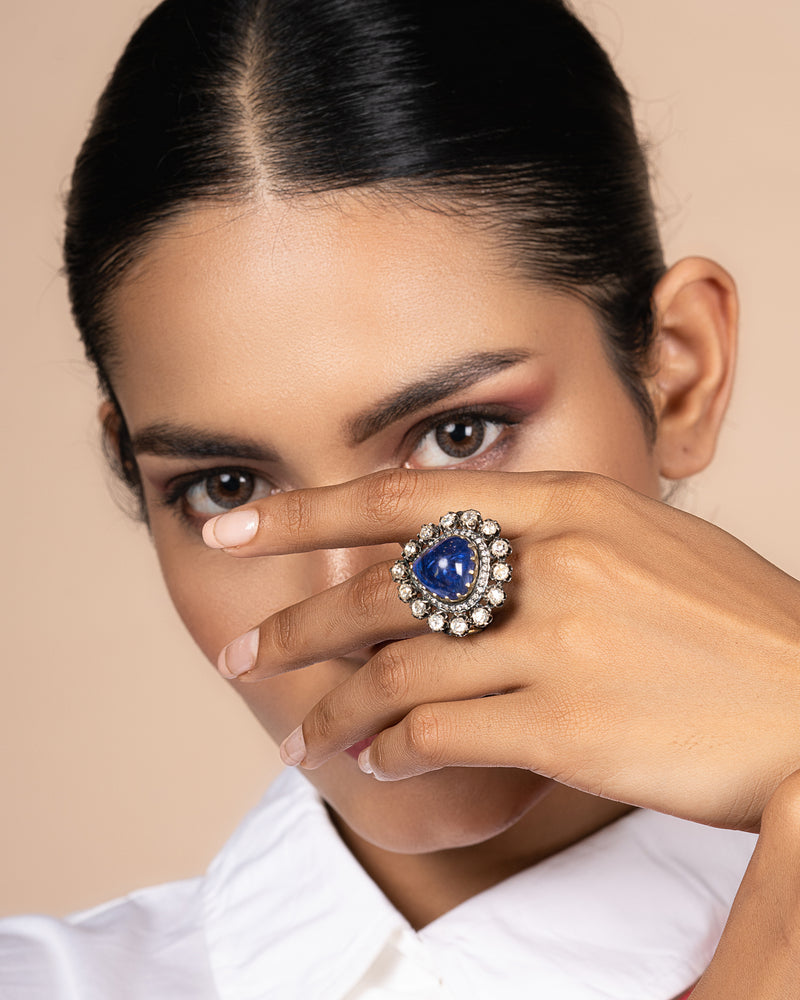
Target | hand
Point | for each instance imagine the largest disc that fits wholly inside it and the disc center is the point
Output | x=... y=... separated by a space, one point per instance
x=644 y=655
x=758 y=957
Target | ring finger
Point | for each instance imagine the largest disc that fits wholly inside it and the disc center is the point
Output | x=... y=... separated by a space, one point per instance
x=397 y=679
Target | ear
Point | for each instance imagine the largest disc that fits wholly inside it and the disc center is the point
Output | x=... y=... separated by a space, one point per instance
x=697 y=313
x=116 y=442
x=108 y=415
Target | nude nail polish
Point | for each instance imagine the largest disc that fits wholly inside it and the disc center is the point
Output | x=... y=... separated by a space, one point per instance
x=239 y=656
x=226 y=531
x=293 y=748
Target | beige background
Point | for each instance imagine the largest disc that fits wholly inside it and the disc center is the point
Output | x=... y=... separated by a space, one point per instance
x=124 y=760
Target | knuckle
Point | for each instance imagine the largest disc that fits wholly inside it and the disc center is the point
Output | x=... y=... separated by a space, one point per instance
x=559 y=554
x=283 y=635
x=426 y=732
x=369 y=598
x=387 y=494
x=566 y=635
x=379 y=758
x=390 y=676
x=297 y=512
x=321 y=722
x=577 y=554
x=575 y=495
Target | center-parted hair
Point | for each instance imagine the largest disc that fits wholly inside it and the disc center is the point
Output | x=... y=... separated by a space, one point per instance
x=507 y=110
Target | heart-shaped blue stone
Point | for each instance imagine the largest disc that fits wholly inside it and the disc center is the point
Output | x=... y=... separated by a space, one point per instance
x=448 y=568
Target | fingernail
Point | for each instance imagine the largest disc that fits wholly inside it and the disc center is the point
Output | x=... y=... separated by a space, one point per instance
x=226 y=531
x=239 y=656
x=293 y=748
x=363 y=761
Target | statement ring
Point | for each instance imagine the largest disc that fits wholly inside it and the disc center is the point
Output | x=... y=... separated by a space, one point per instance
x=452 y=573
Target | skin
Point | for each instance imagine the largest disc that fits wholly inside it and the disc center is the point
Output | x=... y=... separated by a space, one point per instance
x=277 y=324
x=758 y=957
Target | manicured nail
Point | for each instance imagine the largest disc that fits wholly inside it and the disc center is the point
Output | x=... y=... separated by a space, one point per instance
x=226 y=531
x=239 y=656
x=363 y=761
x=293 y=748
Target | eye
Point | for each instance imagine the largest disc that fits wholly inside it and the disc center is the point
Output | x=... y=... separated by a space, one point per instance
x=221 y=490
x=456 y=439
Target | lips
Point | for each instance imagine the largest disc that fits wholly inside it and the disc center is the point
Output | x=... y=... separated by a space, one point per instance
x=356 y=748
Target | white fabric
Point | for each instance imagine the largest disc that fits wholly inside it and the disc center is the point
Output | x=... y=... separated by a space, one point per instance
x=631 y=913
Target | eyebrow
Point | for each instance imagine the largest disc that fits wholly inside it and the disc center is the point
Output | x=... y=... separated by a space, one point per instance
x=183 y=441
x=433 y=387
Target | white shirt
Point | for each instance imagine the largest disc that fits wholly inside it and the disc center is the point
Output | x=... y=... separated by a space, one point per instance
x=633 y=912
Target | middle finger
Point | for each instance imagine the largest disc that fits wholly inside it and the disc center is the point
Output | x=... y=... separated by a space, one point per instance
x=359 y=612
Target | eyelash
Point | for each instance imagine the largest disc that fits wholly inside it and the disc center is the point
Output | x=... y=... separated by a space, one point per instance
x=176 y=493
x=178 y=489
x=468 y=415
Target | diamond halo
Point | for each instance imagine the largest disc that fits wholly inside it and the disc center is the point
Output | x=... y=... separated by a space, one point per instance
x=458 y=592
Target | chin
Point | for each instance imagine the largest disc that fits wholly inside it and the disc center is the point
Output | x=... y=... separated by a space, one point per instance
x=451 y=808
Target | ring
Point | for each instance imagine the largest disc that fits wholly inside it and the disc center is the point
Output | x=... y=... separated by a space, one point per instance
x=452 y=573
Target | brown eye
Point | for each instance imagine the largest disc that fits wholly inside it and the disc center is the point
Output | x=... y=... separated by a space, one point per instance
x=456 y=440
x=229 y=489
x=224 y=490
x=459 y=438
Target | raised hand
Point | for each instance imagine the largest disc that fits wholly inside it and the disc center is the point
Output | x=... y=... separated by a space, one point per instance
x=645 y=655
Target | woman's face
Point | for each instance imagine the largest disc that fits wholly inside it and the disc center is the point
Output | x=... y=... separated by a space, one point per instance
x=254 y=342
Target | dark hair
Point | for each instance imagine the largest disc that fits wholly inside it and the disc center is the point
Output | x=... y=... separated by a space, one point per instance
x=508 y=110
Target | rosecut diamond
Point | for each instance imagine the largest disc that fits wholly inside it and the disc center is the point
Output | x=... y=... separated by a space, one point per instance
x=481 y=617
x=470 y=518
x=500 y=548
x=495 y=595
x=448 y=568
x=459 y=626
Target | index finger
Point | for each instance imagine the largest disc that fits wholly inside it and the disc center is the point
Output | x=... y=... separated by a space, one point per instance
x=389 y=506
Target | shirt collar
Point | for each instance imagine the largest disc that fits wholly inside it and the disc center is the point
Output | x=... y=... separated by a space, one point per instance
x=289 y=912
x=634 y=910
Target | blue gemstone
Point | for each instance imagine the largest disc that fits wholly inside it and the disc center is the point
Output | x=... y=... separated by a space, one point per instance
x=447 y=569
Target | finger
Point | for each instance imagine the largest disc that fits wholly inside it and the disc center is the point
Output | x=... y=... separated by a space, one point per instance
x=359 y=612
x=390 y=506
x=485 y=732
x=399 y=677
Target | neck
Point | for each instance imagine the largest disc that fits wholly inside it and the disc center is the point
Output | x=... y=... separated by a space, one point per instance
x=424 y=887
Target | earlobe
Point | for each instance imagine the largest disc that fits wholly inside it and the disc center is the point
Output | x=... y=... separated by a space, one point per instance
x=696 y=309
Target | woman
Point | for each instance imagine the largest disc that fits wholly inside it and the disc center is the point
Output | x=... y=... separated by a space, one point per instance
x=350 y=269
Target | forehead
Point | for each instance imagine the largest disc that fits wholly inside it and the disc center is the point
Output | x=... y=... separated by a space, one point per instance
x=258 y=303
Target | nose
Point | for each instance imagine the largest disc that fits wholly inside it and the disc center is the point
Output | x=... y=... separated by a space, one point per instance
x=335 y=566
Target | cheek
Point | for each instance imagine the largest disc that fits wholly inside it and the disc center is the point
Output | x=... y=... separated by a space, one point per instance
x=595 y=426
x=624 y=455
x=219 y=597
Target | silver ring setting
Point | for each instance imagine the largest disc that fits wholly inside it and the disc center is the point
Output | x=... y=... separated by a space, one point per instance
x=453 y=573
